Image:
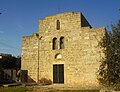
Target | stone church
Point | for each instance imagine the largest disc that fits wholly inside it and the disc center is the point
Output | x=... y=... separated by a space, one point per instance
x=65 y=50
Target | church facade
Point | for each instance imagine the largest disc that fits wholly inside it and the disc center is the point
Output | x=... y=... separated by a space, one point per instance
x=65 y=50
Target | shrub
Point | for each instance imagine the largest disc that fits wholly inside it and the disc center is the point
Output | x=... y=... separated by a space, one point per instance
x=117 y=87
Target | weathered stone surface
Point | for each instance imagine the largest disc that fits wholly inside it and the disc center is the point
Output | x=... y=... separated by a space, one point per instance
x=80 y=56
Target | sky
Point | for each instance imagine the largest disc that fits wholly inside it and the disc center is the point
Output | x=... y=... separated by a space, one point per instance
x=20 y=17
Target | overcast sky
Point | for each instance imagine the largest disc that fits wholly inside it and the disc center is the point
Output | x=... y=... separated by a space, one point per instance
x=20 y=17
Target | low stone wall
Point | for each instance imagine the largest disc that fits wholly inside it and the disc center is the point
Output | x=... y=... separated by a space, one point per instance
x=7 y=75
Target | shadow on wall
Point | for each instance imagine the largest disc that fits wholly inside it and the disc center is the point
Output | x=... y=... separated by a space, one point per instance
x=11 y=76
x=25 y=78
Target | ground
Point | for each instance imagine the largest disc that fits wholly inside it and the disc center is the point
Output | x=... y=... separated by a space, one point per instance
x=39 y=89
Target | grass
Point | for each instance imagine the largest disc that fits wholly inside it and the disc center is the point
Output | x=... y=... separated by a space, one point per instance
x=73 y=91
x=30 y=89
x=15 y=89
x=81 y=91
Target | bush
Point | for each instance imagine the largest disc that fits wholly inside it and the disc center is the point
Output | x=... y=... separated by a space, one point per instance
x=117 y=87
x=45 y=81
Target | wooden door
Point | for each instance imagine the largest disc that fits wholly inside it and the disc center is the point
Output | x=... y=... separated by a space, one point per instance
x=58 y=73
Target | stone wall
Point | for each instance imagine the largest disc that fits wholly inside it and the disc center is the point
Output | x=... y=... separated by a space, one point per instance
x=30 y=56
x=7 y=76
x=80 y=56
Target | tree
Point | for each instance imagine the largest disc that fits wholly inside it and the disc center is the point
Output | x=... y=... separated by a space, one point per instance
x=109 y=71
x=10 y=62
x=18 y=63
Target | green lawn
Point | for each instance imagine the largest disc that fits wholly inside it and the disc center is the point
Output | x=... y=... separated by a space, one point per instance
x=82 y=91
x=15 y=89
x=74 y=91
x=34 y=89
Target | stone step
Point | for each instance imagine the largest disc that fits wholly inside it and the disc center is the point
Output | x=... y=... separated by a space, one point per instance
x=10 y=85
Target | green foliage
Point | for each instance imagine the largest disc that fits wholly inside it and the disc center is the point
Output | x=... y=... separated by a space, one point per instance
x=10 y=62
x=109 y=70
x=18 y=63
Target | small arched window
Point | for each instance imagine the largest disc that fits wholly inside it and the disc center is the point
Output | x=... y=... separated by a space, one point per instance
x=58 y=56
x=58 y=25
x=62 y=43
x=54 y=44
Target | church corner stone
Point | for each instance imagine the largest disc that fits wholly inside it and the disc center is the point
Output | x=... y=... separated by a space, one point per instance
x=65 y=50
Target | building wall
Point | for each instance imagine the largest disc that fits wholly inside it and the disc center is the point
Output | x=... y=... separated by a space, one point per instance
x=30 y=56
x=80 y=56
